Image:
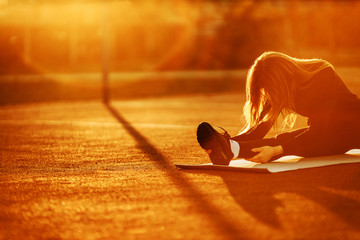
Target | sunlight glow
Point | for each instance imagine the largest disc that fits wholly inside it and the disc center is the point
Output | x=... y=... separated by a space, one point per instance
x=3 y=3
x=170 y=35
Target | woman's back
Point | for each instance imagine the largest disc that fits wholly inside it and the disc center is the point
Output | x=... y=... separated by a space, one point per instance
x=325 y=96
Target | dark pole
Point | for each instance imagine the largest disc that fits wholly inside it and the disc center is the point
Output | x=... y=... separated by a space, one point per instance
x=105 y=55
x=27 y=37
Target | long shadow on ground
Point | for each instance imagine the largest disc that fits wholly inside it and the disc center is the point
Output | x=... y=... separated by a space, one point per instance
x=327 y=186
x=219 y=220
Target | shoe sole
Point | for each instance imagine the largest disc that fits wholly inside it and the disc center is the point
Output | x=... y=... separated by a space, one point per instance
x=210 y=139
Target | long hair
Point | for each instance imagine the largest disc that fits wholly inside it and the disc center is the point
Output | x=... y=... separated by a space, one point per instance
x=271 y=83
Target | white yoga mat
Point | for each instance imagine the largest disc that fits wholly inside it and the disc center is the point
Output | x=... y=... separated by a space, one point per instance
x=287 y=163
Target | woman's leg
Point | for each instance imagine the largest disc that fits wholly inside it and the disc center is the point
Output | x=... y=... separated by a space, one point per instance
x=246 y=146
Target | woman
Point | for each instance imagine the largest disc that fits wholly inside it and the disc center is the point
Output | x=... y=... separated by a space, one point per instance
x=280 y=84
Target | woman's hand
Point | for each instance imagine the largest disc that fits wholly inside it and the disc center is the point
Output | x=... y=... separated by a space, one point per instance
x=265 y=153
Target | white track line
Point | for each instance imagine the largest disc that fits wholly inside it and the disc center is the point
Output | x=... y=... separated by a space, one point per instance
x=100 y=124
x=90 y=123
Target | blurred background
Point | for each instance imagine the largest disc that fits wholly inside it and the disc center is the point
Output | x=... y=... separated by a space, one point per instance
x=67 y=50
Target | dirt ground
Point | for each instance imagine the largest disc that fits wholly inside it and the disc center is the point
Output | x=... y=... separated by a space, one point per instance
x=85 y=170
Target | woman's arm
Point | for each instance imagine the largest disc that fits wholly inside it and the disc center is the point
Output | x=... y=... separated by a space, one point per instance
x=316 y=141
x=266 y=153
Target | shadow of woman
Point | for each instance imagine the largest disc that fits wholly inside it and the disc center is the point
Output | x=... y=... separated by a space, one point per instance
x=256 y=192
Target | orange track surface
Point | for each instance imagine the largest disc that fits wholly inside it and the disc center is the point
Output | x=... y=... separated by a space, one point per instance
x=83 y=170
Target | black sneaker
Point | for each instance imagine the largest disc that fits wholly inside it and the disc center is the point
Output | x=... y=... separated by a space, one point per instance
x=219 y=144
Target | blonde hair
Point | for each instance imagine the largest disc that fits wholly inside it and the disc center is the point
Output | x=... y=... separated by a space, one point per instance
x=271 y=84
